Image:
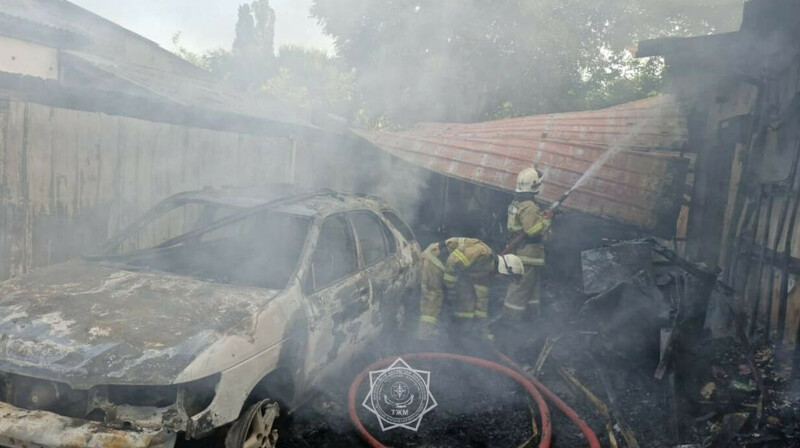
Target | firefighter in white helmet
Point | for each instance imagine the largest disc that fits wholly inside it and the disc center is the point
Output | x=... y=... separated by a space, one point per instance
x=459 y=271
x=529 y=227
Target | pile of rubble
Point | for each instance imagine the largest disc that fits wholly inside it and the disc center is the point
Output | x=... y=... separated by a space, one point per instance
x=628 y=351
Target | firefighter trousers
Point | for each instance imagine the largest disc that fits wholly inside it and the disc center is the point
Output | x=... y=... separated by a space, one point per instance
x=524 y=295
x=468 y=304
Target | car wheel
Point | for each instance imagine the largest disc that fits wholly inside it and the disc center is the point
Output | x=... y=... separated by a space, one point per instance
x=253 y=429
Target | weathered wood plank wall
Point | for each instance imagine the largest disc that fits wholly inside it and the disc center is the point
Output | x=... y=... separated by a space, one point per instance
x=69 y=179
x=758 y=269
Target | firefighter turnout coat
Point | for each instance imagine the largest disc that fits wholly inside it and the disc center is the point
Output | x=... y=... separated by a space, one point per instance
x=465 y=266
x=524 y=216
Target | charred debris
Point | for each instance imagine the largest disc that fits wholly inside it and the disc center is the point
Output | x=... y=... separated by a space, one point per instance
x=630 y=350
x=688 y=340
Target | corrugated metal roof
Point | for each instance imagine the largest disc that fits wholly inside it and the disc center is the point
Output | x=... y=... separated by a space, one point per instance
x=20 y=28
x=92 y=33
x=191 y=91
x=642 y=185
x=51 y=13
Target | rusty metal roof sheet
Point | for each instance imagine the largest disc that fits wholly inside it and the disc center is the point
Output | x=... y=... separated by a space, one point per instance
x=642 y=185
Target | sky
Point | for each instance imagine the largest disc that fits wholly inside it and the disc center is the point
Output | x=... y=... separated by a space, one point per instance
x=207 y=24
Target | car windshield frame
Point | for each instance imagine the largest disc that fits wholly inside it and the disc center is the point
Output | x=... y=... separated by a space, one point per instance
x=104 y=254
x=159 y=209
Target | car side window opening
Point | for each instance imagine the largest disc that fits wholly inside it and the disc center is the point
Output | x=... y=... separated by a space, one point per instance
x=399 y=224
x=334 y=256
x=391 y=242
x=370 y=233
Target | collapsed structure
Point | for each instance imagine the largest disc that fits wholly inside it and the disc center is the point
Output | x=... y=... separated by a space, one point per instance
x=717 y=172
x=724 y=147
x=741 y=93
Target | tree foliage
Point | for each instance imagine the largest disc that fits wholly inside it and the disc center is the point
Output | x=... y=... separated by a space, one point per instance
x=468 y=60
x=253 y=57
x=301 y=76
x=311 y=79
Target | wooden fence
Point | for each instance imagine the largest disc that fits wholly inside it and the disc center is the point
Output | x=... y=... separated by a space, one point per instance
x=69 y=179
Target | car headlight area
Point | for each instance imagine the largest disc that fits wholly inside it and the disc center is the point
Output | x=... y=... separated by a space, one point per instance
x=123 y=407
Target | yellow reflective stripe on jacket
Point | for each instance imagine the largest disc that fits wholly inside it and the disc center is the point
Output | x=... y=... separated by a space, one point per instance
x=449 y=278
x=433 y=259
x=536 y=228
x=461 y=242
x=470 y=315
x=514 y=307
x=481 y=314
x=427 y=319
x=461 y=257
x=482 y=290
x=531 y=261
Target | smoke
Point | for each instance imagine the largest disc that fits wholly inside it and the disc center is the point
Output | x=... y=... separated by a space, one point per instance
x=468 y=61
x=77 y=175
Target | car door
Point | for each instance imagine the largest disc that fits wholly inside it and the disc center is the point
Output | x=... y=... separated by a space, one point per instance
x=379 y=261
x=408 y=249
x=338 y=294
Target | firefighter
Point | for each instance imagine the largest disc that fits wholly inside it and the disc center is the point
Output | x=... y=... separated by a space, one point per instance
x=459 y=271
x=528 y=226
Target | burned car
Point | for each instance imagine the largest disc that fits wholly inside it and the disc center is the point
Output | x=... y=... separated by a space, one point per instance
x=209 y=311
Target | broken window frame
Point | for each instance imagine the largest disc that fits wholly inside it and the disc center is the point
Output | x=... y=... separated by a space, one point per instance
x=383 y=231
x=310 y=280
x=113 y=247
x=398 y=224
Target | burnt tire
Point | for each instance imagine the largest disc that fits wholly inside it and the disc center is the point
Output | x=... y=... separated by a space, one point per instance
x=254 y=428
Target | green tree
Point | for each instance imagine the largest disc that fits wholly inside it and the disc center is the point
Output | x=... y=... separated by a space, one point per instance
x=311 y=79
x=305 y=77
x=469 y=60
x=253 y=56
x=218 y=61
x=245 y=30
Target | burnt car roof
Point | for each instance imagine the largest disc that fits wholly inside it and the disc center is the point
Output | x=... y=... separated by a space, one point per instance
x=309 y=203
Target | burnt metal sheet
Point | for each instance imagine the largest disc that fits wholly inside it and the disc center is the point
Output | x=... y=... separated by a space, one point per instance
x=641 y=185
x=607 y=267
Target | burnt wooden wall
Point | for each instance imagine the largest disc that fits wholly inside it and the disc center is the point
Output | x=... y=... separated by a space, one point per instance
x=69 y=179
x=744 y=198
x=762 y=257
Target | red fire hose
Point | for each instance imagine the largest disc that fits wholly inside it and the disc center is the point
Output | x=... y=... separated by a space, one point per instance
x=547 y=432
x=591 y=437
x=531 y=385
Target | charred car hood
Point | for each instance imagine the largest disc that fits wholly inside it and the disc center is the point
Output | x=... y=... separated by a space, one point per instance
x=85 y=323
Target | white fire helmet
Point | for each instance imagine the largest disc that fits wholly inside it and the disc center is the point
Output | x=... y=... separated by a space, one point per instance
x=529 y=180
x=510 y=265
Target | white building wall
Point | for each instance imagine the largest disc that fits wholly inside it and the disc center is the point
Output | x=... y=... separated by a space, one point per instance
x=27 y=58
